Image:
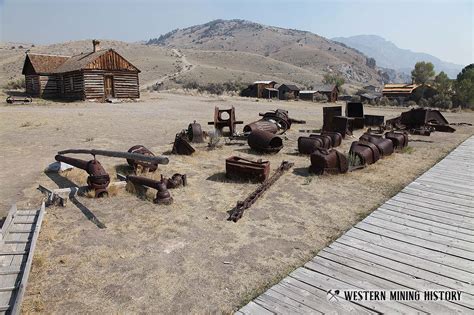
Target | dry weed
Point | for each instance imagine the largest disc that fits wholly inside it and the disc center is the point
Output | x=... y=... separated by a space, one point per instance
x=39 y=260
x=76 y=175
x=26 y=124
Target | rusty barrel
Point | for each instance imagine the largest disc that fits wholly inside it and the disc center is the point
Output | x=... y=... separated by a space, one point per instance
x=307 y=145
x=140 y=149
x=331 y=161
x=399 y=139
x=162 y=196
x=385 y=146
x=367 y=152
x=327 y=140
x=264 y=141
x=264 y=125
x=336 y=137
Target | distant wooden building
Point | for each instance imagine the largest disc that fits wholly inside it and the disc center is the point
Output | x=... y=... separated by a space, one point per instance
x=370 y=98
x=99 y=74
x=408 y=92
x=307 y=95
x=287 y=91
x=330 y=90
x=261 y=89
x=371 y=88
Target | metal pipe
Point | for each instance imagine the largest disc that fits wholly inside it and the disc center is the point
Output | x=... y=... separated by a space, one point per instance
x=126 y=155
x=98 y=178
x=162 y=196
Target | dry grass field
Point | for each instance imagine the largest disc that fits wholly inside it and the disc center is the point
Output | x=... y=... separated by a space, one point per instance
x=186 y=257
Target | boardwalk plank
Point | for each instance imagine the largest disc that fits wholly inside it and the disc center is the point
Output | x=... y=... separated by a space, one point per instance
x=300 y=296
x=420 y=233
x=283 y=295
x=415 y=240
x=404 y=266
x=459 y=269
x=426 y=225
x=326 y=283
x=320 y=296
x=444 y=183
x=416 y=206
x=255 y=309
x=465 y=204
x=410 y=198
x=364 y=281
x=276 y=305
x=387 y=279
x=442 y=190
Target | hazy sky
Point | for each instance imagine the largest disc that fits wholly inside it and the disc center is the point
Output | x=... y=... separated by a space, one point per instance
x=443 y=28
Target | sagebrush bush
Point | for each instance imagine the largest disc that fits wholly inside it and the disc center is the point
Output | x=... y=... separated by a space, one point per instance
x=215 y=88
x=15 y=84
x=318 y=97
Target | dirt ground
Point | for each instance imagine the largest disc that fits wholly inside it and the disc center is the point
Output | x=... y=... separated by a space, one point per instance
x=184 y=258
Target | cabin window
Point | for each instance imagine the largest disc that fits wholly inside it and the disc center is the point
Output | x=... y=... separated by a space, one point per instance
x=71 y=83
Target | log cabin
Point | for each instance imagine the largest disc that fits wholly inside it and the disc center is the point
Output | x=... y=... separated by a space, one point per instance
x=98 y=75
x=330 y=90
x=287 y=91
x=261 y=89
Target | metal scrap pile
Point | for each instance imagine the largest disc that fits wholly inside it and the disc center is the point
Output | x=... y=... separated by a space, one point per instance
x=99 y=179
x=420 y=121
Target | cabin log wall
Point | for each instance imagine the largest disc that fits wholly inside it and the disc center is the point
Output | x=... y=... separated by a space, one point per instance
x=126 y=84
x=74 y=91
x=32 y=85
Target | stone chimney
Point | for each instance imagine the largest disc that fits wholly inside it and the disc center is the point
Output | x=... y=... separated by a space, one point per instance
x=95 y=45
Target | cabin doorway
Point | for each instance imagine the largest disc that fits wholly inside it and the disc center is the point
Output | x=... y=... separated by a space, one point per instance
x=109 y=86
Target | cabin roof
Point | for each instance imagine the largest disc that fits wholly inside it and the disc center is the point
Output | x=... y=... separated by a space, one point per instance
x=399 y=88
x=291 y=87
x=43 y=63
x=60 y=64
x=264 y=82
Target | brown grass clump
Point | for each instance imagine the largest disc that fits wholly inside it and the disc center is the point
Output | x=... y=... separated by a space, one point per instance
x=38 y=260
x=408 y=150
x=26 y=124
x=77 y=176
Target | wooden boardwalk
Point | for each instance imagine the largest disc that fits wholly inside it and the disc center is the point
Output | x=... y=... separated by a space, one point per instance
x=421 y=239
x=17 y=244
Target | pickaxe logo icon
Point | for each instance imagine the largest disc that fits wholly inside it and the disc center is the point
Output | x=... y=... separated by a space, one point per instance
x=332 y=295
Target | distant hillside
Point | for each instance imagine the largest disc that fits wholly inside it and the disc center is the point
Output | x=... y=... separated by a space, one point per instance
x=388 y=55
x=284 y=51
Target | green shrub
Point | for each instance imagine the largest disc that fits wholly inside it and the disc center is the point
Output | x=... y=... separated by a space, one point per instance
x=441 y=101
x=423 y=102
